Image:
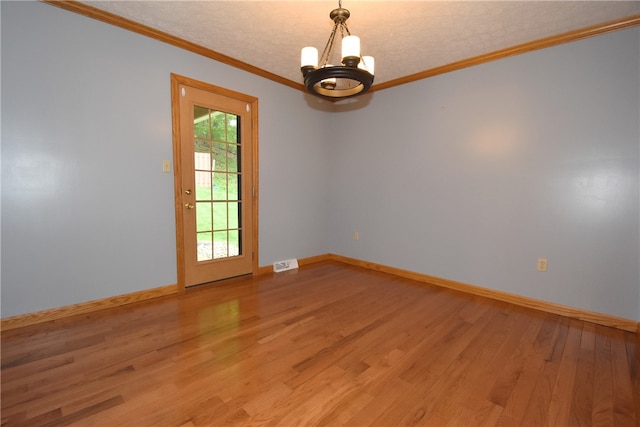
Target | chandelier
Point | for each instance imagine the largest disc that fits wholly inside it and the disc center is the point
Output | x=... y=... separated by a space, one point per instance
x=353 y=77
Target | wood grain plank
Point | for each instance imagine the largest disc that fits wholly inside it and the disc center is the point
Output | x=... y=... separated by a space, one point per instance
x=522 y=395
x=603 y=406
x=559 y=407
x=625 y=407
x=633 y=356
x=536 y=413
x=582 y=396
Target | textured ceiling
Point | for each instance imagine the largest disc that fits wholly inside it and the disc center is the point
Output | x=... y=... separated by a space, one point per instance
x=405 y=37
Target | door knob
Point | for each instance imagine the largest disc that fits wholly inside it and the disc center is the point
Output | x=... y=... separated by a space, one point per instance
x=188 y=205
x=187 y=191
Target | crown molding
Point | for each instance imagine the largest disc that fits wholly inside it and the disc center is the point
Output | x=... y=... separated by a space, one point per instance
x=606 y=27
x=127 y=24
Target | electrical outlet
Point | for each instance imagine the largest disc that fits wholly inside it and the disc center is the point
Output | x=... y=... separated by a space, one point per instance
x=356 y=236
x=542 y=264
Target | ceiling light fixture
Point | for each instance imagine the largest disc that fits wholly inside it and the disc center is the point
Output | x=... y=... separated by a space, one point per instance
x=353 y=77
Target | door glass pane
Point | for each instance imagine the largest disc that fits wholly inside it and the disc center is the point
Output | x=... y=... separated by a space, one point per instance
x=234 y=216
x=220 y=187
x=202 y=146
x=217 y=180
x=233 y=161
x=220 y=244
x=233 y=186
x=204 y=216
x=203 y=185
x=220 y=156
x=220 y=221
x=232 y=128
x=235 y=243
x=201 y=123
x=205 y=246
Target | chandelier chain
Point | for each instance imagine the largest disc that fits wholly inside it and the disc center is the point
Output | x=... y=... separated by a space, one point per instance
x=344 y=24
x=328 y=48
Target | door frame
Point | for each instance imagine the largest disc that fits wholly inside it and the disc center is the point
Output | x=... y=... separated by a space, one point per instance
x=176 y=81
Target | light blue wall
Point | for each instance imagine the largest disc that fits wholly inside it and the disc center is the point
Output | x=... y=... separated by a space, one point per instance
x=470 y=176
x=86 y=121
x=474 y=175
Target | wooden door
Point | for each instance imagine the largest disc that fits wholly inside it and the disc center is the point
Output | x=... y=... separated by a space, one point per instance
x=215 y=152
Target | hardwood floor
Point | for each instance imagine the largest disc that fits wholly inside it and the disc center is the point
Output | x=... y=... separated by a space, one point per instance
x=329 y=344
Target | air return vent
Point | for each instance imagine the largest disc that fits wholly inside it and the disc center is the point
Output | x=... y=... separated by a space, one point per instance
x=288 y=264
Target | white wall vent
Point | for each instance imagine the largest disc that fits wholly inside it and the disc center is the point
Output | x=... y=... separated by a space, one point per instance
x=288 y=264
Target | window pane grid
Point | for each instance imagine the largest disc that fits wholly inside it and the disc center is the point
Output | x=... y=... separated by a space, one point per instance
x=218 y=178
